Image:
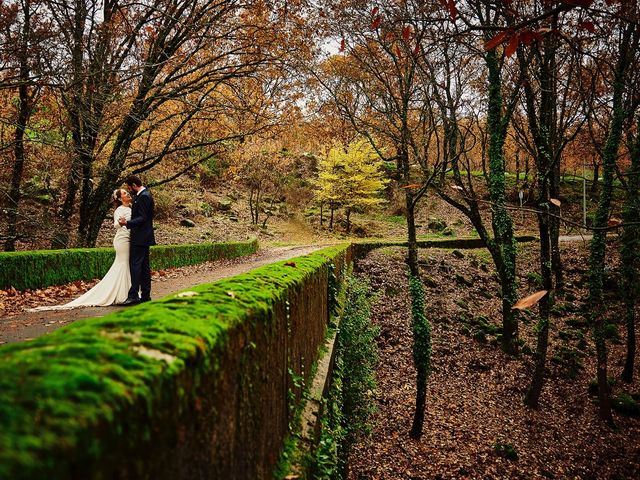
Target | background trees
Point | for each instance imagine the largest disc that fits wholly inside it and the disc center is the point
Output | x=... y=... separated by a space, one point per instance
x=351 y=178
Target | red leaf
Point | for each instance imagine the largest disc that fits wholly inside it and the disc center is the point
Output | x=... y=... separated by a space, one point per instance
x=453 y=10
x=528 y=36
x=497 y=40
x=588 y=26
x=376 y=22
x=527 y=302
x=578 y=3
x=513 y=45
x=614 y=222
x=406 y=33
x=342 y=45
x=290 y=264
x=374 y=11
x=398 y=51
x=412 y=185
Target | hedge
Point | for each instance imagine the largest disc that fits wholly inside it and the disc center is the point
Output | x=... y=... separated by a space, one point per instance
x=362 y=248
x=41 y=268
x=195 y=385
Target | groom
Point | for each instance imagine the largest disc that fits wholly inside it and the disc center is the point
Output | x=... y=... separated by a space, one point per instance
x=141 y=226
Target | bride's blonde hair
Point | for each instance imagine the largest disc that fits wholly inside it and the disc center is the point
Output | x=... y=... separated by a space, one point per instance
x=117 y=194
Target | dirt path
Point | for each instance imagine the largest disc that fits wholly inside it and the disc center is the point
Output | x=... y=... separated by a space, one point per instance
x=28 y=325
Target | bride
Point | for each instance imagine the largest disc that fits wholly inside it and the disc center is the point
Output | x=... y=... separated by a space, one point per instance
x=114 y=287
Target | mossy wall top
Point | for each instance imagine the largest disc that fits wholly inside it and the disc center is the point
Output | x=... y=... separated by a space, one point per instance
x=195 y=385
x=41 y=268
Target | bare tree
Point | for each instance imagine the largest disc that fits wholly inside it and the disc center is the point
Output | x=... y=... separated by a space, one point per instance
x=23 y=32
x=129 y=72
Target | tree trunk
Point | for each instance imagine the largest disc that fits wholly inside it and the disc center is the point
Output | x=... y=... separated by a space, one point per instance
x=554 y=229
x=630 y=255
x=532 y=396
x=517 y=170
x=421 y=352
x=24 y=112
x=598 y=242
x=594 y=183
x=501 y=221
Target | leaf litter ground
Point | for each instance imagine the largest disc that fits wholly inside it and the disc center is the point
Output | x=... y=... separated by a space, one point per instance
x=475 y=392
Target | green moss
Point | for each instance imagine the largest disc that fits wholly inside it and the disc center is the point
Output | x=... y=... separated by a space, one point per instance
x=69 y=396
x=626 y=405
x=505 y=450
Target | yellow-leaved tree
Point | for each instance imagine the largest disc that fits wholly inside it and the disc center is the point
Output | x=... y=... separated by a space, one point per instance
x=350 y=178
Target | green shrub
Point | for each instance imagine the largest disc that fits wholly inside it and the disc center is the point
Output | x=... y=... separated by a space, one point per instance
x=593 y=385
x=350 y=401
x=535 y=279
x=626 y=405
x=41 y=268
x=505 y=450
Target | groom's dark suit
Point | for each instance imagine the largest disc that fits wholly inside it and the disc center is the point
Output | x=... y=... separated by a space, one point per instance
x=141 y=226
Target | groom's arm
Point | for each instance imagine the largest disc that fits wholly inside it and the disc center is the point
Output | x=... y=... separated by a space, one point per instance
x=144 y=212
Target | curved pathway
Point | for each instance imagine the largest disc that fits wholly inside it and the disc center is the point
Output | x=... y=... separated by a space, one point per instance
x=28 y=325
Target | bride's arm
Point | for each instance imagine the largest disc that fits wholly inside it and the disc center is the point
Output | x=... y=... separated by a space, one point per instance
x=119 y=213
x=116 y=216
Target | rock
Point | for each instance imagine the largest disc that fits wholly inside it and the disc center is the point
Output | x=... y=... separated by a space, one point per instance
x=461 y=280
x=359 y=231
x=430 y=282
x=462 y=304
x=224 y=205
x=485 y=294
x=233 y=218
x=436 y=224
x=478 y=366
x=457 y=253
x=185 y=222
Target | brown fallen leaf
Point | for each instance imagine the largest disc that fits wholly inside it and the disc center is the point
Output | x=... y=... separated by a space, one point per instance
x=529 y=301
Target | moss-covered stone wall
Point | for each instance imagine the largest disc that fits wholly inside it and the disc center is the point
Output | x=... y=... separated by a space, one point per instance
x=362 y=248
x=196 y=385
x=41 y=268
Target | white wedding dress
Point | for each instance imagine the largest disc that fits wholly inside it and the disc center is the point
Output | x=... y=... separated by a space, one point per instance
x=114 y=287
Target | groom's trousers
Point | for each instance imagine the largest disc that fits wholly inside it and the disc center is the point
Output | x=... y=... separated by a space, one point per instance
x=140 y=273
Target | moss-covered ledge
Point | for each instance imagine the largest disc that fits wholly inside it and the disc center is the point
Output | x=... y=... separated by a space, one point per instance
x=362 y=247
x=41 y=268
x=196 y=385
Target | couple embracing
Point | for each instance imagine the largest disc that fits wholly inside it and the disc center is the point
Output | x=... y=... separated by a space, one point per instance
x=128 y=281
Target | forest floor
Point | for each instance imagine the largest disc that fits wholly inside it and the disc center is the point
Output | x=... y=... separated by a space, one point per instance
x=17 y=324
x=475 y=392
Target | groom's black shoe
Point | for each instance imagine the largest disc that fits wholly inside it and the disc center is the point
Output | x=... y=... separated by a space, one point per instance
x=142 y=300
x=129 y=302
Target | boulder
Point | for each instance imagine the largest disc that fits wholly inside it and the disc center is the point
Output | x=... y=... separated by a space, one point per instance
x=185 y=222
x=436 y=224
x=224 y=205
